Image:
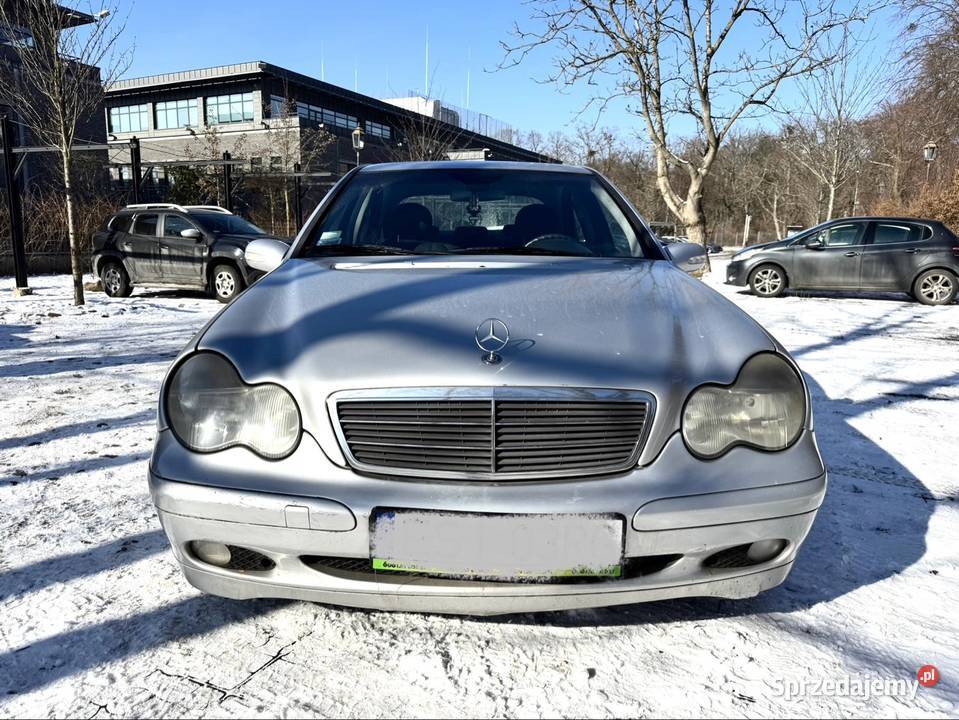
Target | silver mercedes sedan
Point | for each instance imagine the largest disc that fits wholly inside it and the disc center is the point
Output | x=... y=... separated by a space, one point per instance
x=483 y=388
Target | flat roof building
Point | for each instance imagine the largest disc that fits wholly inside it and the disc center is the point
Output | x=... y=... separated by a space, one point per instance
x=264 y=114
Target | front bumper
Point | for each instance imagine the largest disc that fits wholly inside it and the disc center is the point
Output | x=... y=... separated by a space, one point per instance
x=737 y=273
x=666 y=506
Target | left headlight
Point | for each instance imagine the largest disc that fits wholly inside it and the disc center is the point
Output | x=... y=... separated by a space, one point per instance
x=210 y=408
x=764 y=408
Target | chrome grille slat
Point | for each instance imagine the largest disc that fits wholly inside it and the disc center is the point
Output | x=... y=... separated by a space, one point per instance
x=555 y=432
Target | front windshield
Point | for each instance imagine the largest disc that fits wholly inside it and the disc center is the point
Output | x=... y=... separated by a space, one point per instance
x=224 y=224
x=476 y=211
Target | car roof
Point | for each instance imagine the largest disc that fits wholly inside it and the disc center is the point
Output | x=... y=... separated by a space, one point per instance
x=898 y=218
x=474 y=165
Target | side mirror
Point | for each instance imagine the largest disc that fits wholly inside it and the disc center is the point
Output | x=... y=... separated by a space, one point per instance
x=688 y=257
x=814 y=244
x=192 y=234
x=265 y=255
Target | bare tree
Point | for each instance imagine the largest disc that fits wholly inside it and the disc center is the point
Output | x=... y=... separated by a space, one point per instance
x=421 y=137
x=289 y=140
x=826 y=138
x=685 y=61
x=199 y=183
x=57 y=78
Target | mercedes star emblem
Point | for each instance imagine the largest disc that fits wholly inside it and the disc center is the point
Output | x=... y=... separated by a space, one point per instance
x=492 y=335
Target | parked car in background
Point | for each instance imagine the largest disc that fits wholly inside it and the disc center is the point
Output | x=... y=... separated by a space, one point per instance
x=483 y=387
x=919 y=257
x=713 y=248
x=192 y=246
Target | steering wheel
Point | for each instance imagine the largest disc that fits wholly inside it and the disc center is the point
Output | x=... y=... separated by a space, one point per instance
x=559 y=243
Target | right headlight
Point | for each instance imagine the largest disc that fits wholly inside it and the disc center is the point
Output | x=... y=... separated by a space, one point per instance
x=764 y=408
x=210 y=408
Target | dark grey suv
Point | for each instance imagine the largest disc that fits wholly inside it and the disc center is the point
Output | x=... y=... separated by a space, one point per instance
x=919 y=257
x=193 y=246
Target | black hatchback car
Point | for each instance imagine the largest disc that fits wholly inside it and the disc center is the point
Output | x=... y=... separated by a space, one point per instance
x=919 y=257
x=193 y=246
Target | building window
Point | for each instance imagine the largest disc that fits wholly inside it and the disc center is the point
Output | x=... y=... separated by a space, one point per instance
x=15 y=36
x=327 y=117
x=222 y=109
x=129 y=118
x=378 y=130
x=176 y=114
x=281 y=107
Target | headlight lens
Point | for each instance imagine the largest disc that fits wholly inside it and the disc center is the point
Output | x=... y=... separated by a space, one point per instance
x=764 y=408
x=210 y=408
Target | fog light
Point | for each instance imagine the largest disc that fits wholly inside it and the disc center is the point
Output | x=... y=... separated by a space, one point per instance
x=213 y=553
x=765 y=550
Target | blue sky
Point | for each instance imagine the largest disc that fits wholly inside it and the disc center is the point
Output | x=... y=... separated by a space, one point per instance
x=383 y=42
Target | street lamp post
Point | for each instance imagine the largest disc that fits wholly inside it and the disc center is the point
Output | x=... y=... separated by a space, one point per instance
x=929 y=152
x=358 y=143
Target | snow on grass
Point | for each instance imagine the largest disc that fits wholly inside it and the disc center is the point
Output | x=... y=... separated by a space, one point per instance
x=96 y=620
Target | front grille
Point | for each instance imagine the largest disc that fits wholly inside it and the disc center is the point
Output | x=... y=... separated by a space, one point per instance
x=362 y=569
x=446 y=435
x=246 y=560
x=536 y=436
x=493 y=438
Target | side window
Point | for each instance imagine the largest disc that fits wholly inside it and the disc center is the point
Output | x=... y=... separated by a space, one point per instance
x=145 y=225
x=173 y=225
x=889 y=233
x=120 y=223
x=841 y=235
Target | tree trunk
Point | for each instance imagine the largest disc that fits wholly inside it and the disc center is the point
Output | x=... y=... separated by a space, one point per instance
x=272 y=212
x=694 y=219
x=76 y=261
x=831 y=203
x=833 y=181
x=775 y=213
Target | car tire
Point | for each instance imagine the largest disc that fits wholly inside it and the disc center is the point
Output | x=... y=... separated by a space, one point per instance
x=226 y=283
x=767 y=281
x=115 y=281
x=935 y=287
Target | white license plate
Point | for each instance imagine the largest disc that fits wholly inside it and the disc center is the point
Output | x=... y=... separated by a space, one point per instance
x=497 y=546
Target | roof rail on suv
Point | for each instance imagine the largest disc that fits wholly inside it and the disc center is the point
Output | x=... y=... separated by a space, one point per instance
x=156 y=206
x=211 y=208
x=174 y=206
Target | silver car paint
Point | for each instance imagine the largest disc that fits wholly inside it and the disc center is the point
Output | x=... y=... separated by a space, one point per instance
x=317 y=328
x=322 y=326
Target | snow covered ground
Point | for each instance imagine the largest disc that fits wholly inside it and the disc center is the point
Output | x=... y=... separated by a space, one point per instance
x=96 y=620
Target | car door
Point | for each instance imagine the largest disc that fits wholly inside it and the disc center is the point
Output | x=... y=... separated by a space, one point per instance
x=834 y=258
x=181 y=258
x=892 y=254
x=144 y=252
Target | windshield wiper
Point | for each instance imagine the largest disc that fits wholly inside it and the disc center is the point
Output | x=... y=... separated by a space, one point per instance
x=514 y=251
x=342 y=249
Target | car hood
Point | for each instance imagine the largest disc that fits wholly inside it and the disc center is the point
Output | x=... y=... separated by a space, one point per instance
x=319 y=326
x=772 y=245
x=245 y=240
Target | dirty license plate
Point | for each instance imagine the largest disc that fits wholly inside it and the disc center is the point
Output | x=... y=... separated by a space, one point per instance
x=497 y=546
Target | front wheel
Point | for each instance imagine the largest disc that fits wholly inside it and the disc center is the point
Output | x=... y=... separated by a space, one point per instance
x=935 y=287
x=767 y=281
x=116 y=282
x=226 y=283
